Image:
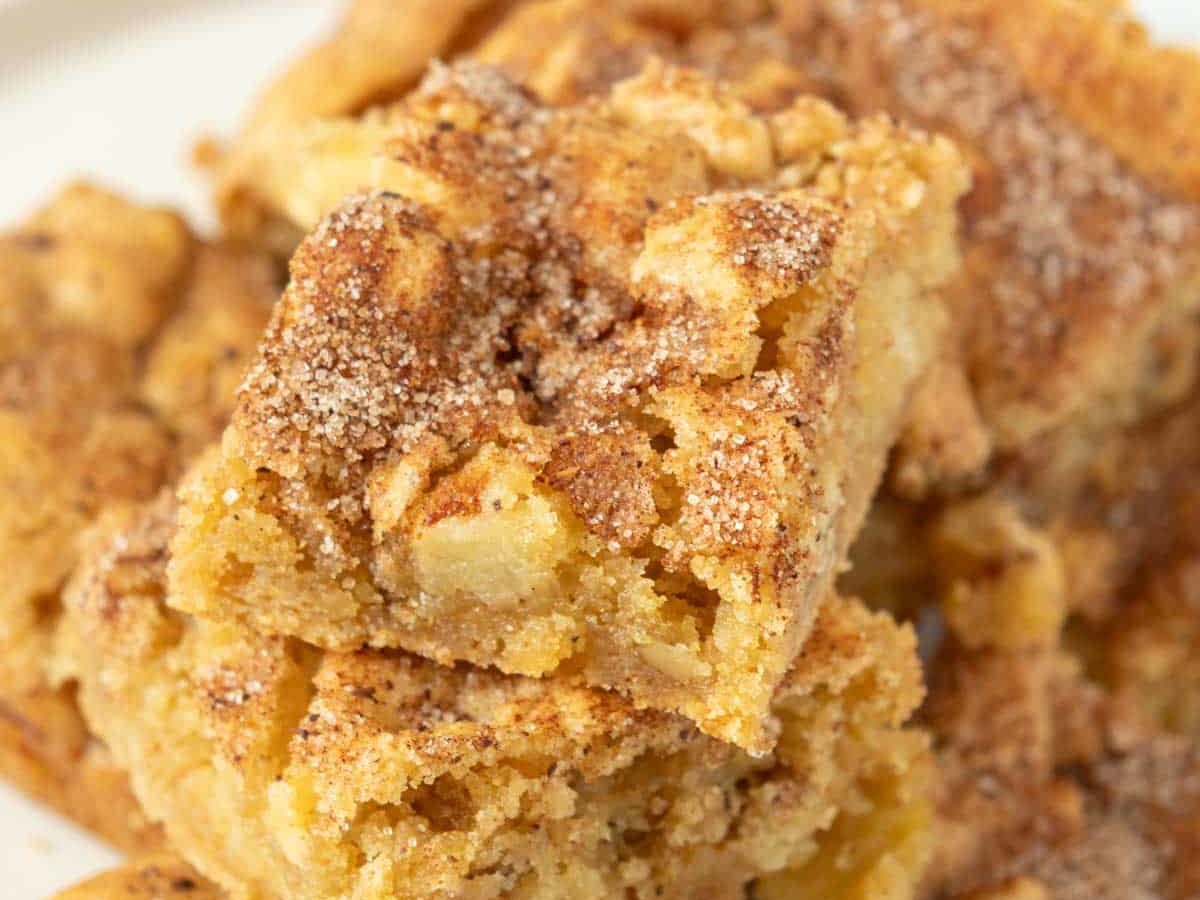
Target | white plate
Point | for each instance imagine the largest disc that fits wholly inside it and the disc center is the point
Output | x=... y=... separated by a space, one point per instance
x=120 y=89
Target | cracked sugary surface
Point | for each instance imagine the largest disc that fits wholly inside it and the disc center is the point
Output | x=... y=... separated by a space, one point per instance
x=599 y=390
x=284 y=771
x=1081 y=229
x=121 y=340
x=1077 y=317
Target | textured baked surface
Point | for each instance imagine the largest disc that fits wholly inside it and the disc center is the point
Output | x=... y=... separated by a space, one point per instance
x=1135 y=569
x=1090 y=519
x=1081 y=229
x=284 y=771
x=1068 y=757
x=1077 y=315
x=47 y=751
x=1099 y=551
x=563 y=50
x=1063 y=702
x=601 y=389
x=377 y=52
x=1050 y=787
x=121 y=340
x=1078 y=308
x=1149 y=651
x=161 y=877
x=1077 y=328
x=1078 y=266
x=1079 y=341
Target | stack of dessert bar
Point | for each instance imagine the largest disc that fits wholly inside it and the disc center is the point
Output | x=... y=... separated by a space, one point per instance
x=538 y=489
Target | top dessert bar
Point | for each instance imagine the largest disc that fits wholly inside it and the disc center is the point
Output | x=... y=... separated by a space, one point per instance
x=600 y=390
x=1077 y=316
x=1079 y=303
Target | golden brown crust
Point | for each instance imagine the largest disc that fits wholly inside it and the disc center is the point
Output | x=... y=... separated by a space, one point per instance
x=379 y=774
x=160 y=877
x=121 y=337
x=1149 y=651
x=1050 y=788
x=1081 y=271
x=602 y=389
x=563 y=50
x=375 y=54
x=377 y=51
x=47 y=751
x=1077 y=268
x=568 y=50
x=1098 y=64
